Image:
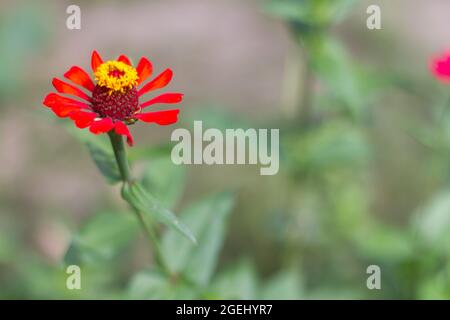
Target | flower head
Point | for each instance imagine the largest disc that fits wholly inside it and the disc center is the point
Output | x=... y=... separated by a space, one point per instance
x=113 y=101
x=116 y=76
x=440 y=67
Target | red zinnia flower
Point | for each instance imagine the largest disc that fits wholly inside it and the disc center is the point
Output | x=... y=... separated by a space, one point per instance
x=113 y=102
x=440 y=67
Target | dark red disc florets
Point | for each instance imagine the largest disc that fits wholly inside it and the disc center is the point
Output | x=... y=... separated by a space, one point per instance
x=116 y=104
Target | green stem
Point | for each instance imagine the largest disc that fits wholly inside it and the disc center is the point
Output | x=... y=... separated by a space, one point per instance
x=120 y=154
x=151 y=235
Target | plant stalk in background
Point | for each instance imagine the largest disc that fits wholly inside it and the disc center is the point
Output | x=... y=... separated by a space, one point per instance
x=120 y=155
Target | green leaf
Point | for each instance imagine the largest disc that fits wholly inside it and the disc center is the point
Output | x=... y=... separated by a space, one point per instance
x=312 y=13
x=152 y=284
x=432 y=222
x=105 y=162
x=101 y=152
x=384 y=243
x=238 y=282
x=337 y=293
x=340 y=9
x=286 y=285
x=207 y=218
x=101 y=238
x=165 y=180
x=335 y=144
x=136 y=195
x=149 y=285
x=435 y=286
x=334 y=67
x=291 y=10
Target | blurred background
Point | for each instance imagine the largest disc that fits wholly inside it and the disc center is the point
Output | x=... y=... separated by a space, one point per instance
x=364 y=134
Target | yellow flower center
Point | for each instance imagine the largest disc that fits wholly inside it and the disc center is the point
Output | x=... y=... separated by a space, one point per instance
x=116 y=76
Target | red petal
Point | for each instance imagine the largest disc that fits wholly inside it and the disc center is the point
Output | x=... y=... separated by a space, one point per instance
x=62 y=106
x=122 y=129
x=440 y=67
x=123 y=58
x=80 y=77
x=82 y=119
x=96 y=60
x=164 y=98
x=64 y=87
x=159 y=82
x=101 y=126
x=165 y=117
x=144 y=69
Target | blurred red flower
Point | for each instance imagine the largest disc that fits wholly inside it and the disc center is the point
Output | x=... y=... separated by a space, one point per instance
x=440 y=67
x=113 y=100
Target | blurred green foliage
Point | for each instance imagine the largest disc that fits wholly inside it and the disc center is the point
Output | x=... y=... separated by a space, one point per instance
x=316 y=242
x=22 y=32
x=307 y=15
